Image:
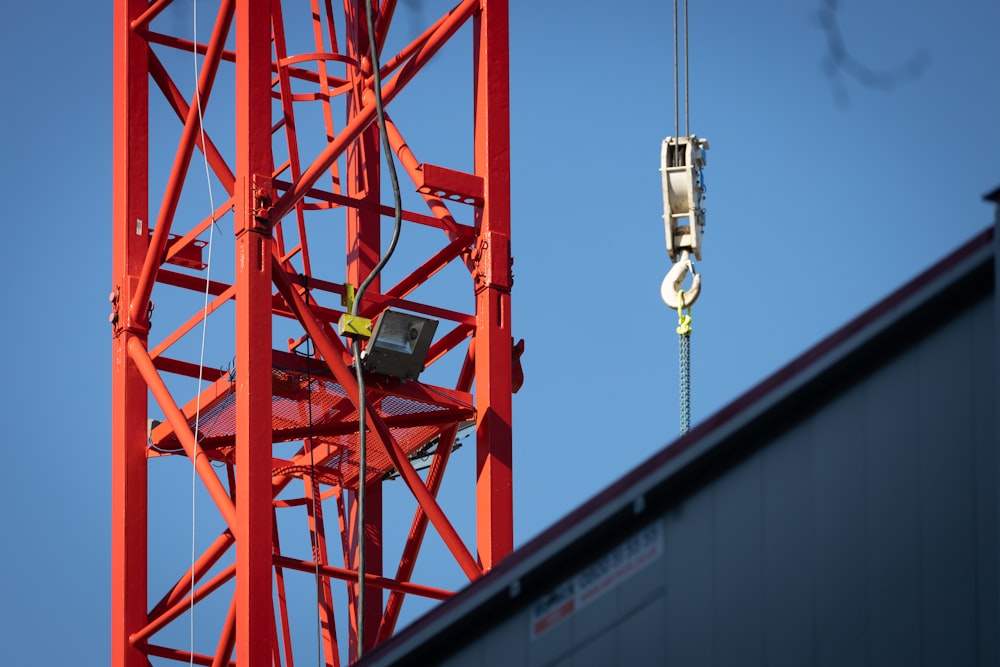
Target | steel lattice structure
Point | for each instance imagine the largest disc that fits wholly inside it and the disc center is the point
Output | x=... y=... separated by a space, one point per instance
x=285 y=416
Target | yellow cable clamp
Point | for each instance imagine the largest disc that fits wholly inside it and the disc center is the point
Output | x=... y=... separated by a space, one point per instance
x=352 y=326
x=683 y=319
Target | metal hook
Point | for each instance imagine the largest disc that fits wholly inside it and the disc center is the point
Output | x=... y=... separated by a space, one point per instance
x=672 y=287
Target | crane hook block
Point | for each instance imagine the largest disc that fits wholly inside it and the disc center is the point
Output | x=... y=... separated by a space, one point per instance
x=681 y=162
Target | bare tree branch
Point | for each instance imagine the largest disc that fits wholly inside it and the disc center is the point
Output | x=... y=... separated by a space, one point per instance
x=839 y=63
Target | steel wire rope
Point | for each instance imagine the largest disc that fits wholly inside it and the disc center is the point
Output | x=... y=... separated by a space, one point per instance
x=204 y=319
x=677 y=108
x=687 y=78
x=683 y=331
x=677 y=77
x=356 y=346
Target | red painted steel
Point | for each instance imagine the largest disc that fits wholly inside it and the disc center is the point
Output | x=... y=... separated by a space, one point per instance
x=130 y=211
x=252 y=221
x=493 y=277
x=293 y=85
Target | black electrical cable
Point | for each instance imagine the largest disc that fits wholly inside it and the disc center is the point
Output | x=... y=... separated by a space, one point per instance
x=356 y=346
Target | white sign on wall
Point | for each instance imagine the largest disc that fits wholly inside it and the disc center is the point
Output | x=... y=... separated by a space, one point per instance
x=598 y=578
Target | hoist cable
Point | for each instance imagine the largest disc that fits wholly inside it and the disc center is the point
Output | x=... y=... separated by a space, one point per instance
x=684 y=342
x=687 y=109
x=684 y=320
x=356 y=346
x=677 y=77
x=677 y=109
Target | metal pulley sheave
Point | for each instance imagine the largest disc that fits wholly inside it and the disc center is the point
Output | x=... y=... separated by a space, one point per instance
x=681 y=163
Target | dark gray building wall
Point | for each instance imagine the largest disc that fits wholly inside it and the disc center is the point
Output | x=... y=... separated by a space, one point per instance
x=850 y=520
x=865 y=534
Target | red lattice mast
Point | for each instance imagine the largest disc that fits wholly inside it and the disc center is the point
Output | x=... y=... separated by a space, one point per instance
x=276 y=446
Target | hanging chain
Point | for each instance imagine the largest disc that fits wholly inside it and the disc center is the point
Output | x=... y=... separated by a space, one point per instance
x=685 y=384
x=684 y=344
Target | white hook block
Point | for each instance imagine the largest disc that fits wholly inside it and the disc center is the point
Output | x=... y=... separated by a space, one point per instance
x=681 y=162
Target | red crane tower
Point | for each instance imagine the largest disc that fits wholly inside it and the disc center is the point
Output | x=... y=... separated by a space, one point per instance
x=280 y=108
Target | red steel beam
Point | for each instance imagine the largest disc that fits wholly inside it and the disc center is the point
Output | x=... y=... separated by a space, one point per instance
x=254 y=612
x=333 y=352
x=426 y=271
x=252 y=628
x=128 y=403
x=186 y=368
x=182 y=606
x=151 y=13
x=383 y=18
x=192 y=283
x=324 y=594
x=366 y=114
x=183 y=432
x=418 y=527
x=449 y=341
x=413 y=170
x=227 y=638
x=158 y=651
x=282 y=611
x=192 y=322
x=288 y=122
x=322 y=200
x=205 y=562
x=187 y=46
x=182 y=109
x=346 y=574
x=182 y=243
x=494 y=342
x=157 y=246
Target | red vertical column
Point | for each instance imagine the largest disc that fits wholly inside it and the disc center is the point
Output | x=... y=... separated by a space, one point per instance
x=493 y=343
x=254 y=620
x=364 y=248
x=129 y=406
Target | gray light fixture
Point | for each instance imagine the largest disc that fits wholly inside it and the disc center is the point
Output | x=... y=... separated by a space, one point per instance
x=398 y=345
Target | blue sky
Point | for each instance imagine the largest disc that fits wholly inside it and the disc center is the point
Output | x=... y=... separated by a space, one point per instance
x=819 y=204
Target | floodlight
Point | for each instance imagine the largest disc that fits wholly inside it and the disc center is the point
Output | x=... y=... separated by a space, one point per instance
x=398 y=345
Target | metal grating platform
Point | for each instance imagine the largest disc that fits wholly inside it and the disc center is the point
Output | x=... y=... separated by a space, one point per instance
x=310 y=405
